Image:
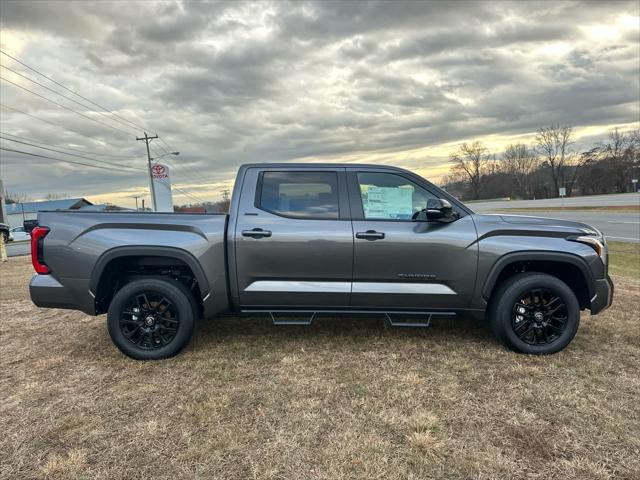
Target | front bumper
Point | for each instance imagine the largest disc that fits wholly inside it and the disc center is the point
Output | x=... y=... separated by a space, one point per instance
x=603 y=297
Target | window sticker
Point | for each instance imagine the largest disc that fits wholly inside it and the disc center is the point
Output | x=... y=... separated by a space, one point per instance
x=388 y=202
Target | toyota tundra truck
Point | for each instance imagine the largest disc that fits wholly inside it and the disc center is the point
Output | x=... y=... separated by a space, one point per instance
x=303 y=240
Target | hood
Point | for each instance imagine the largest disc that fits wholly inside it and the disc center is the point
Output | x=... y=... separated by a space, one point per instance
x=535 y=224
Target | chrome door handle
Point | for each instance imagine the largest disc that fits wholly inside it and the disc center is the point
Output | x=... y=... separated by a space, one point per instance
x=370 y=235
x=256 y=233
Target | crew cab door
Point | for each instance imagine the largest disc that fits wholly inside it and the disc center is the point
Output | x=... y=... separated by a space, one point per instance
x=293 y=238
x=400 y=262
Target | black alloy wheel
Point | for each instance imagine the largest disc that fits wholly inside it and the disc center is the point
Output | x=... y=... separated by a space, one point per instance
x=149 y=320
x=534 y=313
x=539 y=317
x=152 y=318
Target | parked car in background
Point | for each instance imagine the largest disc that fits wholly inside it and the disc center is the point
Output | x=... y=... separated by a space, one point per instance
x=19 y=234
x=29 y=225
x=308 y=239
x=4 y=231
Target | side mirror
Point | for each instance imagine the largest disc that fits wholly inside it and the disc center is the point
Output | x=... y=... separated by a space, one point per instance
x=438 y=210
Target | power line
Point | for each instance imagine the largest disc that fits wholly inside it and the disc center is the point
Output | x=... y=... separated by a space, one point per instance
x=168 y=148
x=63 y=147
x=196 y=178
x=63 y=96
x=71 y=91
x=72 y=154
x=189 y=195
x=65 y=107
x=59 y=159
x=185 y=194
x=128 y=122
x=105 y=109
x=50 y=123
x=47 y=121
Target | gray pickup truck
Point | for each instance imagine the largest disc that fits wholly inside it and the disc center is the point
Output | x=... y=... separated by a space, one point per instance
x=308 y=239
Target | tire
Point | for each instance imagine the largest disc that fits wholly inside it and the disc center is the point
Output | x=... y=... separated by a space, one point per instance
x=163 y=323
x=5 y=237
x=534 y=313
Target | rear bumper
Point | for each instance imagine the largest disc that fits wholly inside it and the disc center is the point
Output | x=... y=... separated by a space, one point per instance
x=603 y=297
x=47 y=292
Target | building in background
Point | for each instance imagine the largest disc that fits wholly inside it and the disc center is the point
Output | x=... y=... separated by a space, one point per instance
x=106 y=207
x=17 y=213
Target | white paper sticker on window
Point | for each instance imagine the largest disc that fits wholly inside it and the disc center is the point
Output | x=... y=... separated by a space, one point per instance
x=386 y=202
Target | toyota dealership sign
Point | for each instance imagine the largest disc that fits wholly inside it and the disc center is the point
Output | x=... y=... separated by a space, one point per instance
x=162 y=187
x=159 y=171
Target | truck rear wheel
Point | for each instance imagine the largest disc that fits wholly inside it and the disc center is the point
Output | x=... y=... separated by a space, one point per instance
x=534 y=313
x=150 y=319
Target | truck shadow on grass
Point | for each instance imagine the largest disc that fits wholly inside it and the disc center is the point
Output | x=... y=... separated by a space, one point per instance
x=256 y=337
x=347 y=330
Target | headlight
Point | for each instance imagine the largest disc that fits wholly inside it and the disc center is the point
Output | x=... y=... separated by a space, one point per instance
x=599 y=244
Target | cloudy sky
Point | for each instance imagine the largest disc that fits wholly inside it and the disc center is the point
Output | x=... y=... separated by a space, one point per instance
x=231 y=83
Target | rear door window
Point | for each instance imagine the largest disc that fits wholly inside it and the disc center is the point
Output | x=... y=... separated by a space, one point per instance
x=298 y=194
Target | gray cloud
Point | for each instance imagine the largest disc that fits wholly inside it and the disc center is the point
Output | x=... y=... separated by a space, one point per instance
x=230 y=82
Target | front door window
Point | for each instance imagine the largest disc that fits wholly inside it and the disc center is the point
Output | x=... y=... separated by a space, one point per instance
x=387 y=196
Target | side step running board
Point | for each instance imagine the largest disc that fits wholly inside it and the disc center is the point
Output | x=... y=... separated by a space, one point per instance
x=301 y=322
x=424 y=322
x=412 y=324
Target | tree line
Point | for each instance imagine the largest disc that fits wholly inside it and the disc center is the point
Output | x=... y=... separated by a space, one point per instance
x=540 y=169
x=20 y=197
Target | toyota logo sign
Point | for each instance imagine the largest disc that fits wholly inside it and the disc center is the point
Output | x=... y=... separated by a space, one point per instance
x=159 y=171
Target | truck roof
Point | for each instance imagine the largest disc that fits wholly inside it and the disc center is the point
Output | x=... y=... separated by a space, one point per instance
x=317 y=165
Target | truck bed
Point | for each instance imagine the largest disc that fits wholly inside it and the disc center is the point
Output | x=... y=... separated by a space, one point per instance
x=80 y=244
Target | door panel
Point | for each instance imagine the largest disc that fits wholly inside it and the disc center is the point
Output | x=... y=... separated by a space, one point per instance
x=415 y=265
x=301 y=262
x=401 y=263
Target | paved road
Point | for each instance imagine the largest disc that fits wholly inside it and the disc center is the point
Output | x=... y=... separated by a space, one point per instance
x=17 y=249
x=587 y=201
x=620 y=226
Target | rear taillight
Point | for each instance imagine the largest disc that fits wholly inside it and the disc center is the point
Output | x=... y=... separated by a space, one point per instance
x=37 y=242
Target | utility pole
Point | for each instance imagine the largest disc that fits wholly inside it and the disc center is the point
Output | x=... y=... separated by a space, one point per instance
x=136 y=197
x=147 y=139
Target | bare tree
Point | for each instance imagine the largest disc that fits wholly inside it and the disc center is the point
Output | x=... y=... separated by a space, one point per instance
x=472 y=160
x=620 y=152
x=56 y=196
x=16 y=197
x=554 y=145
x=610 y=165
x=520 y=161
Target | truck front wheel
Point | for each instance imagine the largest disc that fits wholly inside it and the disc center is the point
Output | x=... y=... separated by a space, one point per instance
x=534 y=313
x=150 y=319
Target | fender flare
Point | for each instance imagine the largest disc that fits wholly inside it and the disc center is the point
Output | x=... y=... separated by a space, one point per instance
x=558 y=257
x=148 y=251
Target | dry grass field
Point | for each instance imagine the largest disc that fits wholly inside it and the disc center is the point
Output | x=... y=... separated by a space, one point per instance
x=345 y=398
x=624 y=259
